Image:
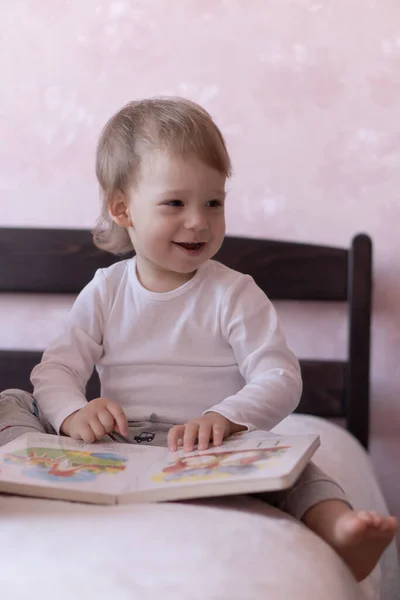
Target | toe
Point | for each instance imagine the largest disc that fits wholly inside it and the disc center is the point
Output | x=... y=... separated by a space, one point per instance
x=375 y=519
x=372 y=518
x=386 y=524
x=365 y=518
x=391 y=524
x=364 y=515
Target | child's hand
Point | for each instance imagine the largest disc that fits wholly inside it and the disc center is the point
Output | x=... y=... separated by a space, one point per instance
x=91 y=423
x=210 y=426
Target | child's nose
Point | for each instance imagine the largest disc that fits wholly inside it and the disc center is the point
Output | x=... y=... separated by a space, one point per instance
x=197 y=221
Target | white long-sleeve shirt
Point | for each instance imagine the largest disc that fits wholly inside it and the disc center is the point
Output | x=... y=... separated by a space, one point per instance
x=212 y=344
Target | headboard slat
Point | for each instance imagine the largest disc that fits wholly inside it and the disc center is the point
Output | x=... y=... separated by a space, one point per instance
x=64 y=260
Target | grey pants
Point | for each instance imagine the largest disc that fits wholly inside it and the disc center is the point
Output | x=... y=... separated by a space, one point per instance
x=20 y=413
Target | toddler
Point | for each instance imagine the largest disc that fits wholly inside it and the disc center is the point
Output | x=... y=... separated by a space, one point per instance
x=185 y=347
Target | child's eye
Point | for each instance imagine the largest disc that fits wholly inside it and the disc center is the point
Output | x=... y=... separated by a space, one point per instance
x=175 y=203
x=214 y=203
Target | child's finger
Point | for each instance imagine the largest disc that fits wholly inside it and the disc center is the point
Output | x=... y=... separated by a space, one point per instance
x=190 y=435
x=97 y=427
x=218 y=434
x=204 y=435
x=86 y=434
x=121 y=421
x=106 y=419
x=174 y=435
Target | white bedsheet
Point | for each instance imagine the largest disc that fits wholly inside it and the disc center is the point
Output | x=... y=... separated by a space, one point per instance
x=227 y=549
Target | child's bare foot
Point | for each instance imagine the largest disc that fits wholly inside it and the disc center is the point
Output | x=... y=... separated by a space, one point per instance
x=358 y=537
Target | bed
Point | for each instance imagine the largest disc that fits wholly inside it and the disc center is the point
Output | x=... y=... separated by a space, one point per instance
x=226 y=548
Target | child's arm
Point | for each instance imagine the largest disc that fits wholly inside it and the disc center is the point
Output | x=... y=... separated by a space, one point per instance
x=271 y=371
x=60 y=379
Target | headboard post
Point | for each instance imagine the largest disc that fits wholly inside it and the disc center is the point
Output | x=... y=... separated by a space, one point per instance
x=360 y=302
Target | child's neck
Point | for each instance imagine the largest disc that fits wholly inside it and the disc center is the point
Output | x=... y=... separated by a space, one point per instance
x=158 y=280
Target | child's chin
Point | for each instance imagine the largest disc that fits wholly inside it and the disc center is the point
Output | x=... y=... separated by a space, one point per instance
x=188 y=270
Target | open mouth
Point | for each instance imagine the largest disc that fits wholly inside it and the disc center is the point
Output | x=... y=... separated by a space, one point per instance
x=187 y=246
x=191 y=249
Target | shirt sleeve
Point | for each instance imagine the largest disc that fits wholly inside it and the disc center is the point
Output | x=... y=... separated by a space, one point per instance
x=271 y=371
x=60 y=379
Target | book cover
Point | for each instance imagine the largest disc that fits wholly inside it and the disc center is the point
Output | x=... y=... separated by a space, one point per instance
x=59 y=467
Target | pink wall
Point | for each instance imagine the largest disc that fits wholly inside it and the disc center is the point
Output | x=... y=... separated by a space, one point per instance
x=307 y=94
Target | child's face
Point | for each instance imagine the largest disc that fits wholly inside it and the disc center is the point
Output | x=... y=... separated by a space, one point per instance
x=178 y=218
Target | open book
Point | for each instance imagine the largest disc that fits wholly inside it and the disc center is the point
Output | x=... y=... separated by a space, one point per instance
x=50 y=466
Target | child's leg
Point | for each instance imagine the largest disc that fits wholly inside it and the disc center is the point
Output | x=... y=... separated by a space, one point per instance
x=19 y=414
x=312 y=487
x=359 y=537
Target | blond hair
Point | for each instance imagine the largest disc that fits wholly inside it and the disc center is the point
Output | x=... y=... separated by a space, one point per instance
x=175 y=124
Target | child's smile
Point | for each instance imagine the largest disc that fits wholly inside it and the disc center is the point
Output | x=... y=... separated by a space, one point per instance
x=191 y=248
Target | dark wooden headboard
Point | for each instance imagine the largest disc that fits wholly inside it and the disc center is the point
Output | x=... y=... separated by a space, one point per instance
x=63 y=261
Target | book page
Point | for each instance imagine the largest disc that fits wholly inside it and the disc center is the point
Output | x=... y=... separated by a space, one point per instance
x=245 y=455
x=53 y=461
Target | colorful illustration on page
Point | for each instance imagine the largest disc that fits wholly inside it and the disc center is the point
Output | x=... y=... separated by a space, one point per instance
x=206 y=467
x=57 y=464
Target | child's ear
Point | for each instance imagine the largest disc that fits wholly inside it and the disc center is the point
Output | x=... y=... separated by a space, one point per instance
x=119 y=209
